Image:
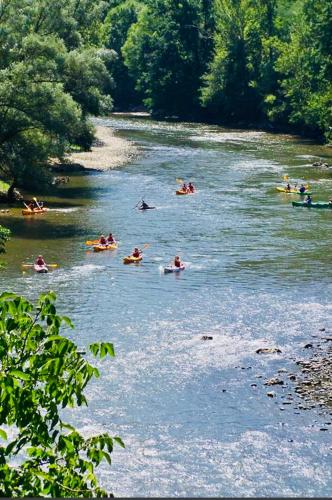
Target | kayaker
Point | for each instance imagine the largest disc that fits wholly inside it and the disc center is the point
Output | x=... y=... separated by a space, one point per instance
x=184 y=188
x=191 y=188
x=288 y=187
x=177 y=262
x=110 y=239
x=31 y=205
x=308 y=200
x=102 y=240
x=40 y=261
x=144 y=205
x=137 y=252
x=302 y=189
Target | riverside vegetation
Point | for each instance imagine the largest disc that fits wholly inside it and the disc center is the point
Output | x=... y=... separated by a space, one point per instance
x=246 y=62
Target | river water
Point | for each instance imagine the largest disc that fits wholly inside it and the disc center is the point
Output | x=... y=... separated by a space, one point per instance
x=258 y=275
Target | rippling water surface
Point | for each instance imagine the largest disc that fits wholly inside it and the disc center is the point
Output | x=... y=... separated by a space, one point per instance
x=258 y=275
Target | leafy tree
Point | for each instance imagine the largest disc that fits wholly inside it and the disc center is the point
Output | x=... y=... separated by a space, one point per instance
x=242 y=70
x=50 y=79
x=42 y=372
x=305 y=66
x=163 y=52
x=115 y=31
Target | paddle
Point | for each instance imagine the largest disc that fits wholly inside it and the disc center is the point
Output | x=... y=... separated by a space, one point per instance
x=27 y=206
x=35 y=199
x=92 y=242
x=286 y=178
x=179 y=181
x=47 y=265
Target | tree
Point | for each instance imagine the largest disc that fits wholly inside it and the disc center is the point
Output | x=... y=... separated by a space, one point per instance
x=242 y=70
x=42 y=372
x=115 y=31
x=50 y=79
x=163 y=52
x=305 y=66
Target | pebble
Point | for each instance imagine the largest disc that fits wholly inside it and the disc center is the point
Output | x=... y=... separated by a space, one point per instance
x=274 y=381
x=271 y=394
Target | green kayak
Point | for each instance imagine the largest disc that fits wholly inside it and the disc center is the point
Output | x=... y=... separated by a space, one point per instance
x=318 y=204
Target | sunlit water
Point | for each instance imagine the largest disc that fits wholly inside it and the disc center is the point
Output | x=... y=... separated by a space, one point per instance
x=258 y=275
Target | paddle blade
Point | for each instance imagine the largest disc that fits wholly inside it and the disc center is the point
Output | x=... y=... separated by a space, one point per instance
x=52 y=265
x=27 y=265
x=146 y=245
x=92 y=242
x=286 y=178
x=179 y=181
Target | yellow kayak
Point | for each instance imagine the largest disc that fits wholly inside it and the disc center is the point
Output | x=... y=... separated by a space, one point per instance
x=28 y=211
x=101 y=248
x=292 y=191
x=130 y=259
x=180 y=191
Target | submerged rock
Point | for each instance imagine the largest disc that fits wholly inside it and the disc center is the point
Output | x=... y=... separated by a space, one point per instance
x=268 y=350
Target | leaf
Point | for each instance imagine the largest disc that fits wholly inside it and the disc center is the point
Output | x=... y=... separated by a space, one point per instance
x=3 y=434
x=19 y=374
x=119 y=441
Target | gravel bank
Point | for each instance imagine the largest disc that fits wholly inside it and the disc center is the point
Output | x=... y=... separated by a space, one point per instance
x=108 y=152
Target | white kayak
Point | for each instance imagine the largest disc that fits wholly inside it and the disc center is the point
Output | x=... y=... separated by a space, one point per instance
x=173 y=269
x=40 y=269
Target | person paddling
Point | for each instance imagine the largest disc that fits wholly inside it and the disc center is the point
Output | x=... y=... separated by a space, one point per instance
x=110 y=239
x=308 y=200
x=184 y=188
x=177 y=261
x=144 y=205
x=302 y=189
x=137 y=252
x=40 y=261
x=191 y=187
x=288 y=187
x=102 y=240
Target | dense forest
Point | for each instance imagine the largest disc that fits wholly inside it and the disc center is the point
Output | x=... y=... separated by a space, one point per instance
x=265 y=63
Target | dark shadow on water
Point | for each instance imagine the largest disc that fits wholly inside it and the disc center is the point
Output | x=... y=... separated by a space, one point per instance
x=41 y=229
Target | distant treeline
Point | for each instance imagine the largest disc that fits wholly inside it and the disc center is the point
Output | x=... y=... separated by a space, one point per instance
x=248 y=62
x=244 y=62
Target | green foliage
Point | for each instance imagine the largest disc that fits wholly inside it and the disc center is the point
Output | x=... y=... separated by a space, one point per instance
x=115 y=31
x=41 y=372
x=4 y=237
x=241 y=71
x=305 y=63
x=50 y=79
x=164 y=53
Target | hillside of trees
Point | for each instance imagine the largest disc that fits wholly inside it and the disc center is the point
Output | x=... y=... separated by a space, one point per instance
x=264 y=63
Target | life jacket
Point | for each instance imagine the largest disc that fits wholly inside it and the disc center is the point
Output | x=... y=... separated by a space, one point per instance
x=102 y=241
x=136 y=254
x=40 y=262
x=177 y=263
x=110 y=239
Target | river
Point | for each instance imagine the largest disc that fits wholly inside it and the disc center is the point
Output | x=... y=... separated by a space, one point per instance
x=194 y=414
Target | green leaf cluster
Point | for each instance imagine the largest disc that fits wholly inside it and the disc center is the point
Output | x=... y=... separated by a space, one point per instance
x=42 y=372
x=51 y=78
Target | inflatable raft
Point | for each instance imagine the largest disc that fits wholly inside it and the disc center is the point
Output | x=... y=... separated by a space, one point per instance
x=101 y=248
x=173 y=269
x=35 y=211
x=130 y=259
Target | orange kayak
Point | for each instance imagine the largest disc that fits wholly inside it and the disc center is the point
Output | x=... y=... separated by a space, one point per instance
x=28 y=211
x=101 y=248
x=130 y=259
x=181 y=192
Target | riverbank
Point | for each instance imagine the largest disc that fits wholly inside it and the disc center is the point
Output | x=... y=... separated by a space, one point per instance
x=108 y=152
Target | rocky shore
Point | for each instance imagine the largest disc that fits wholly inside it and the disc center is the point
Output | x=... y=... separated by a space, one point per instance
x=309 y=385
x=107 y=152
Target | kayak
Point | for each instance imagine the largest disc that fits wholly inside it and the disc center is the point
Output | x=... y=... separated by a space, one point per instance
x=40 y=269
x=292 y=191
x=147 y=208
x=130 y=259
x=28 y=211
x=318 y=204
x=101 y=248
x=173 y=269
x=181 y=192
